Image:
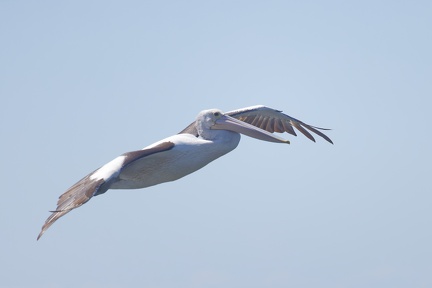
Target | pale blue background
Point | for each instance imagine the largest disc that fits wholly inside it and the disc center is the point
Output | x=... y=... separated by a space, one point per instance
x=84 y=81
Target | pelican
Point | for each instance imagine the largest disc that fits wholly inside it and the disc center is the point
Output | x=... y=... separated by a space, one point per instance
x=212 y=135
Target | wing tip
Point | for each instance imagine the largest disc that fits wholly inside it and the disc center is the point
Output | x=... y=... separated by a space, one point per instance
x=50 y=220
x=44 y=228
x=40 y=235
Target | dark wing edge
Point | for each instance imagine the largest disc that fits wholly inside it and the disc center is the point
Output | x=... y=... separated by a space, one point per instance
x=132 y=156
x=82 y=191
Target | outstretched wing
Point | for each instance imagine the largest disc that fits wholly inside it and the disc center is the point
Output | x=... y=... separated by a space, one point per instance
x=97 y=182
x=73 y=198
x=269 y=119
x=273 y=120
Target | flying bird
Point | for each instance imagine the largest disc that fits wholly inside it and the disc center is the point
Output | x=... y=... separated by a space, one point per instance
x=212 y=135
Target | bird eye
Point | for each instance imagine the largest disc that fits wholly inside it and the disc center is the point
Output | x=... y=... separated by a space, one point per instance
x=217 y=114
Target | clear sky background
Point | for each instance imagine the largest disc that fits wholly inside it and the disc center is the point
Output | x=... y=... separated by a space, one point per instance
x=84 y=81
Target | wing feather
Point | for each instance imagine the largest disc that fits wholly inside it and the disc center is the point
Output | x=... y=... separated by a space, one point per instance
x=278 y=126
x=257 y=121
x=270 y=125
x=302 y=130
x=264 y=123
x=288 y=128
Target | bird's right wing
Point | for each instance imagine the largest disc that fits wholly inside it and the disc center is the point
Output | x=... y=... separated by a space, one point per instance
x=190 y=129
x=74 y=197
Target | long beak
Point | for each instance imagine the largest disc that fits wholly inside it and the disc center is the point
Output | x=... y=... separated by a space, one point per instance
x=229 y=123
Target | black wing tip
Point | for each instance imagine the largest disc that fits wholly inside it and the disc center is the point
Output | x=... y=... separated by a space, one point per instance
x=315 y=130
x=325 y=137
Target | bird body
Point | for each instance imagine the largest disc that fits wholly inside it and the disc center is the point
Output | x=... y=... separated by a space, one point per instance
x=187 y=155
x=210 y=136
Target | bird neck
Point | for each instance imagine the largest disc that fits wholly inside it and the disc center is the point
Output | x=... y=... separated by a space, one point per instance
x=225 y=137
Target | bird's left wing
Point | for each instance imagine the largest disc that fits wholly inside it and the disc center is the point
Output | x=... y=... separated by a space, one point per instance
x=97 y=182
x=268 y=119
x=273 y=120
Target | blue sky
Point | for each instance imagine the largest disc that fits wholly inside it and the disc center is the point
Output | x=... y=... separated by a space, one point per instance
x=84 y=81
